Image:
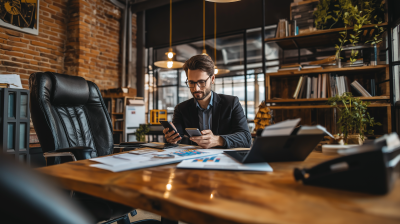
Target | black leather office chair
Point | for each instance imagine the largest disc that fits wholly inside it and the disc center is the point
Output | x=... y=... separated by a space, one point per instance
x=26 y=197
x=72 y=123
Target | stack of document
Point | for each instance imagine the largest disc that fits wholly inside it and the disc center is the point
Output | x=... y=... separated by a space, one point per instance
x=148 y=157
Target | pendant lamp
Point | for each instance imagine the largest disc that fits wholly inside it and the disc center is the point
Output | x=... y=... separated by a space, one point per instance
x=170 y=54
x=204 y=28
x=223 y=1
x=217 y=71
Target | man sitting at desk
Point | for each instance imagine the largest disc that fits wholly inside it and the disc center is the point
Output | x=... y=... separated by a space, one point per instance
x=220 y=118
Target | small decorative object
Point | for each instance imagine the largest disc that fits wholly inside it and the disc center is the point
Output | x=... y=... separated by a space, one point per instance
x=141 y=132
x=353 y=117
x=263 y=117
x=350 y=13
x=20 y=15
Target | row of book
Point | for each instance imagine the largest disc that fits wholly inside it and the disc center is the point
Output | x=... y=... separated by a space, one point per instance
x=119 y=124
x=327 y=85
x=302 y=12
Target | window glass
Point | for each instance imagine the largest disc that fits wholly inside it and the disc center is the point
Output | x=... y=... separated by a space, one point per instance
x=167 y=77
x=167 y=98
x=184 y=94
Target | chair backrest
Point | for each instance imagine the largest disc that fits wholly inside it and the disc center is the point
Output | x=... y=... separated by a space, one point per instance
x=68 y=111
x=27 y=197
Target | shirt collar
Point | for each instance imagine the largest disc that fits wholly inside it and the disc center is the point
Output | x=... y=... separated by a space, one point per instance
x=210 y=104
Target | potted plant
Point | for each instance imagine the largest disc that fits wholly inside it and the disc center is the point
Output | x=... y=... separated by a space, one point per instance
x=351 y=13
x=141 y=132
x=354 y=119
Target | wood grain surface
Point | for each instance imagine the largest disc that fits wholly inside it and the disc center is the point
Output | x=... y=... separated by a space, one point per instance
x=207 y=196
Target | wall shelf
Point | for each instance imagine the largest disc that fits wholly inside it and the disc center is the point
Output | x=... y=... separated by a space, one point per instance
x=319 y=38
x=319 y=106
x=322 y=99
x=330 y=70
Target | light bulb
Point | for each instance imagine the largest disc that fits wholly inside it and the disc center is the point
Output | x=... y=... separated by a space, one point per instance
x=170 y=64
x=170 y=55
x=216 y=71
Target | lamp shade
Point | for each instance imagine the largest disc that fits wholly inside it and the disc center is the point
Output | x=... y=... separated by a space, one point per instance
x=169 y=64
x=218 y=71
x=222 y=1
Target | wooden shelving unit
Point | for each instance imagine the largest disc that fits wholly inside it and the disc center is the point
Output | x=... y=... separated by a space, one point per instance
x=118 y=116
x=319 y=38
x=280 y=86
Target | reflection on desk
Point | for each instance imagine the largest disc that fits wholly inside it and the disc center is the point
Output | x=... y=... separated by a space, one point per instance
x=207 y=196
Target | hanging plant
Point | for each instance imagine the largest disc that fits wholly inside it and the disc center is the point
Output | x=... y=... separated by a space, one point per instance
x=351 y=13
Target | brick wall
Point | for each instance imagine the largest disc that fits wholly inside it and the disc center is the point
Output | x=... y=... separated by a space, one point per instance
x=76 y=37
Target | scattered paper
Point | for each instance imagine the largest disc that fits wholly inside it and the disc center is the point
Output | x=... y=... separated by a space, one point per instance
x=222 y=162
x=312 y=130
x=130 y=161
x=281 y=129
x=13 y=79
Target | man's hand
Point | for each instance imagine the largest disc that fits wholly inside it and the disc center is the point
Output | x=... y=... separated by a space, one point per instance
x=171 y=136
x=208 y=139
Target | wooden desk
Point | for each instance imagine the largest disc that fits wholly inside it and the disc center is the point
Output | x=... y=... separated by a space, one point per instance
x=205 y=196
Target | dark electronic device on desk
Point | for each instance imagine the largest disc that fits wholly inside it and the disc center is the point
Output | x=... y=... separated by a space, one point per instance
x=193 y=132
x=280 y=148
x=371 y=168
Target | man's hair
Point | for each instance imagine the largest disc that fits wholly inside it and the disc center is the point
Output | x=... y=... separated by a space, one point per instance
x=202 y=62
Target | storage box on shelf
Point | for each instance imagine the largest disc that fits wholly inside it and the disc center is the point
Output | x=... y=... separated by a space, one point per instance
x=281 y=86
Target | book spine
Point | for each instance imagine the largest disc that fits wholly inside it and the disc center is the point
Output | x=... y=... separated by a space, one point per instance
x=361 y=89
x=296 y=92
x=373 y=91
x=357 y=89
x=319 y=86
x=308 y=87
x=323 y=92
x=315 y=87
x=301 y=88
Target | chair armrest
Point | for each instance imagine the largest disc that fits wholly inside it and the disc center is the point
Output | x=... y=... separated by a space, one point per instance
x=78 y=153
x=55 y=154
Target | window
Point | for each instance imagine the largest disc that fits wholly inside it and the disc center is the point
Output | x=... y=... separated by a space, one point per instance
x=167 y=88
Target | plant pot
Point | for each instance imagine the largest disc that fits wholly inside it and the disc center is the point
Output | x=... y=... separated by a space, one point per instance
x=354 y=139
x=351 y=139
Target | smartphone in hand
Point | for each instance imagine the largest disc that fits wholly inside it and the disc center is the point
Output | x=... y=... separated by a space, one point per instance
x=193 y=132
x=167 y=124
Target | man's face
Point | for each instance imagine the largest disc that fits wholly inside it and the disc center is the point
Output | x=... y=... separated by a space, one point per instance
x=200 y=93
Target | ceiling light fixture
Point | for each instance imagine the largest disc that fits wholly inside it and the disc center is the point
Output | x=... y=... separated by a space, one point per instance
x=204 y=28
x=217 y=71
x=170 y=54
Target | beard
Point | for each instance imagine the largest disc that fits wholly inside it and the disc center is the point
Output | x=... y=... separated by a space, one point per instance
x=201 y=95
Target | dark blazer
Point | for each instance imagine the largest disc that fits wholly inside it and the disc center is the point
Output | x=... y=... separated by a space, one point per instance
x=228 y=120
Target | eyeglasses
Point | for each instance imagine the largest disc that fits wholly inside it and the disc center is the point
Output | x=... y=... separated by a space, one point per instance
x=200 y=83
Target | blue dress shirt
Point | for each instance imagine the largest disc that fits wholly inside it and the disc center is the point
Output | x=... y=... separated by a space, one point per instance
x=205 y=115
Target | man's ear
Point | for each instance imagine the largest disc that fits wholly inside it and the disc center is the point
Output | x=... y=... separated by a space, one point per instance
x=212 y=79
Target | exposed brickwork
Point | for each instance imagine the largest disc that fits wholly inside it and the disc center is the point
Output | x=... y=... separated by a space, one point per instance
x=23 y=54
x=76 y=37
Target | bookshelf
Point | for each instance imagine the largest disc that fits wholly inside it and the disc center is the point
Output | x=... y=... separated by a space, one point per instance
x=319 y=38
x=116 y=106
x=280 y=86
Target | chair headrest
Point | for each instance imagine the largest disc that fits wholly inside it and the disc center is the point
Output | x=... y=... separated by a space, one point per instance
x=69 y=90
